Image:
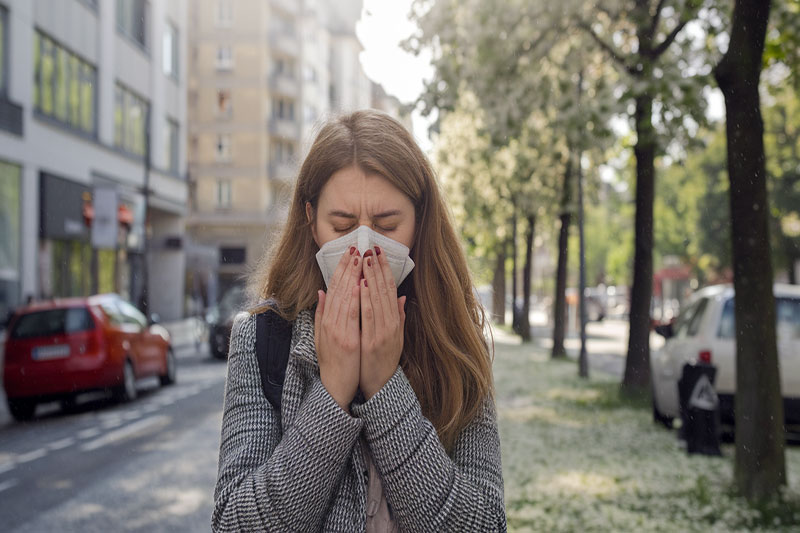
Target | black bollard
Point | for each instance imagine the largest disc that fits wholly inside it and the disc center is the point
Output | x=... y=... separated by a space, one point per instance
x=699 y=405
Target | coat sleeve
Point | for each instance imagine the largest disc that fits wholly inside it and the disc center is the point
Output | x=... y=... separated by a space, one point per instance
x=426 y=488
x=268 y=481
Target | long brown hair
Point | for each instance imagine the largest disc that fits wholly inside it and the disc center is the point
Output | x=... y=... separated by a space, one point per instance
x=445 y=355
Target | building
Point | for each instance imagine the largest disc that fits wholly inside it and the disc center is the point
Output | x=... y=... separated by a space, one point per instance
x=92 y=117
x=262 y=74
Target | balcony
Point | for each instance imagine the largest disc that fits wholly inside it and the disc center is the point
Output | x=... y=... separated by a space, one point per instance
x=10 y=117
x=291 y=7
x=283 y=172
x=285 y=85
x=285 y=43
x=284 y=128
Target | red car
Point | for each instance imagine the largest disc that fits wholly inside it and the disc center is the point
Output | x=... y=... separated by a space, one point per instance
x=57 y=349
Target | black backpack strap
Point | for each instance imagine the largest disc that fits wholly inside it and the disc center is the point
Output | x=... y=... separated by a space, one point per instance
x=273 y=340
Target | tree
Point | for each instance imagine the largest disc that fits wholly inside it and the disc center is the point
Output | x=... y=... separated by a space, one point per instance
x=521 y=60
x=782 y=145
x=759 y=465
x=638 y=36
x=475 y=177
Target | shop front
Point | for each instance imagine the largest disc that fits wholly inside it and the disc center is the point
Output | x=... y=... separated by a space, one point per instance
x=9 y=238
x=86 y=239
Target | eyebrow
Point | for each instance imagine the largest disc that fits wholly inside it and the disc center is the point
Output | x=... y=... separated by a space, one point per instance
x=345 y=214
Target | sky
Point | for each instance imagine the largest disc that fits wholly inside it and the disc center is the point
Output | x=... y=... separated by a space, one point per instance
x=383 y=25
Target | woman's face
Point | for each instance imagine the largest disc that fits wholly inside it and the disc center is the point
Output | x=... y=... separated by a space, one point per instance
x=352 y=198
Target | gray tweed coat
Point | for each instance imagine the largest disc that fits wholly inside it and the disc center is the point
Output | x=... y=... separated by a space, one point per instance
x=303 y=470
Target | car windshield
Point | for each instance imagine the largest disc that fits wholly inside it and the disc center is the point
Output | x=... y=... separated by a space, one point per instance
x=688 y=323
x=232 y=302
x=52 y=322
x=787 y=319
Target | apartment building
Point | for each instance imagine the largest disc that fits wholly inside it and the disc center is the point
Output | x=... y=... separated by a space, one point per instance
x=262 y=74
x=92 y=150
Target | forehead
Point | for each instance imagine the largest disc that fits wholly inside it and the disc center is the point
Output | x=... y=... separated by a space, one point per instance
x=353 y=189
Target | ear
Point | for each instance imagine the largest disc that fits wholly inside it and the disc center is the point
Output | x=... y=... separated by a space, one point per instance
x=310 y=217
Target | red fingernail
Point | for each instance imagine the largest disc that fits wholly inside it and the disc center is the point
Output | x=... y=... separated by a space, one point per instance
x=377 y=251
x=365 y=281
x=352 y=249
x=368 y=253
x=355 y=261
x=369 y=262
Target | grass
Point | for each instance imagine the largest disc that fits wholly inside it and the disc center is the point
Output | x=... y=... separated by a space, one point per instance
x=578 y=456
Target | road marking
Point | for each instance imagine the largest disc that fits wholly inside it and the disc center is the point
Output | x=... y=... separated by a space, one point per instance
x=88 y=433
x=130 y=415
x=31 y=456
x=7 y=484
x=126 y=432
x=111 y=423
x=61 y=444
x=7 y=467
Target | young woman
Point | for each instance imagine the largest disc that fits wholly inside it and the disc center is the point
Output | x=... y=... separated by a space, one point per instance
x=387 y=420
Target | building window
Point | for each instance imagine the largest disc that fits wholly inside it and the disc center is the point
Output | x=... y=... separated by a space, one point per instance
x=283 y=108
x=3 y=51
x=224 y=58
x=309 y=74
x=169 y=51
x=224 y=104
x=223 y=193
x=64 y=85
x=171 y=146
x=223 y=148
x=132 y=20
x=130 y=121
x=9 y=237
x=224 y=13
x=284 y=67
x=309 y=113
x=232 y=256
x=281 y=24
x=282 y=152
x=90 y=3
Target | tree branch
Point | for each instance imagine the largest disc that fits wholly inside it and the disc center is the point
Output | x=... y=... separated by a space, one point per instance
x=668 y=40
x=656 y=17
x=615 y=55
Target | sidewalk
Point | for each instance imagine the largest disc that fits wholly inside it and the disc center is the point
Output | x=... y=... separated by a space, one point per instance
x=187 y=331
x=577 y=457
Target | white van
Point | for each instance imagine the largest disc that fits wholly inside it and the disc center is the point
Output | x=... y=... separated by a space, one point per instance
x=705 y=332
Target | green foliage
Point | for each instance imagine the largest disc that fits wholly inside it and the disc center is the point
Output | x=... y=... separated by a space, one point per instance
x=782 y=45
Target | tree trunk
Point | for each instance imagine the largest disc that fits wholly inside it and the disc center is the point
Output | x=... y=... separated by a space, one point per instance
x=514 y=292
x=499 y=286
x=759 y=465
x=524 y=319
x=560 y=300
x=637 y=363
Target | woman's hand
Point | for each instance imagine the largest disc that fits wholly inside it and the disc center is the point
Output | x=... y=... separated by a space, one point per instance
x=336 y=334
x=383 y=318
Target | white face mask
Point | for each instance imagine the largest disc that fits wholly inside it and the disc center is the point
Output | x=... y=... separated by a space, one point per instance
x=363 y=239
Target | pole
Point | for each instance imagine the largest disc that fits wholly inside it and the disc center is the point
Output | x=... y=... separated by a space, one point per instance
x=583 y=363
x=144 y=297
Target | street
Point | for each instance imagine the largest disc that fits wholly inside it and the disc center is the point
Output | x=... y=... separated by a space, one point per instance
x=148 y=465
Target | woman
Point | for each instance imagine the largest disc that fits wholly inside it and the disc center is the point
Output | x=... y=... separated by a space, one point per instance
x=387 y=418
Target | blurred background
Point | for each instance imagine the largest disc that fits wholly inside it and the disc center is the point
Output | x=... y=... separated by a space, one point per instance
x=610 y=198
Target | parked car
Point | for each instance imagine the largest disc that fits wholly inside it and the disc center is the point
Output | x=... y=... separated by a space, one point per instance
x=220 y=320
x=60 y=348
x=705 y=332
